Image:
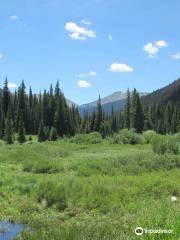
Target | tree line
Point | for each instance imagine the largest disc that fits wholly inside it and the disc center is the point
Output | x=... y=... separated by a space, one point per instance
x=48 y=116
x=45 y=114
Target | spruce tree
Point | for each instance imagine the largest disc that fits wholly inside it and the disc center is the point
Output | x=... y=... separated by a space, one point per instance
x=137 y=115
x=41 y=133
x=59 y=118
x=9 y=138
x=127 y=111
x=5 y=98
x=2 y=124
x=21 y=131
x=21 y=105
x=99 y=116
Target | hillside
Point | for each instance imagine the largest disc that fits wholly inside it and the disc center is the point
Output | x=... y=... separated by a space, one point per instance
x=170 y=92
x=115 y=100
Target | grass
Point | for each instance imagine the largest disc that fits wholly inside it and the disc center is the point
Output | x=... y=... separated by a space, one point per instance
x=69 y=191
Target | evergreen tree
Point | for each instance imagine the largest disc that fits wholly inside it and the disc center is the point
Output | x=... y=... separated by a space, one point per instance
x=2 y=124
x=21 y=131
x=9 y=128
x=5 y=98
x=41 y=133
x=21 y=105
x=59 y=118
x=99 y=116
x=127 y=111
x=137 y=115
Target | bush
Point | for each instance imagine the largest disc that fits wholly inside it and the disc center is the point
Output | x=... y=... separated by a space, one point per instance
x=148 y=135
x=126 y=136
x=177 y=136
x=90 y=138
x=165 y=144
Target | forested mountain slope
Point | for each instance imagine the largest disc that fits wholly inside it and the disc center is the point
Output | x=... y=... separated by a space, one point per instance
x=170 y=92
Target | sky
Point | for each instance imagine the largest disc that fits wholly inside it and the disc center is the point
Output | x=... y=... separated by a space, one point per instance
x=92 y=47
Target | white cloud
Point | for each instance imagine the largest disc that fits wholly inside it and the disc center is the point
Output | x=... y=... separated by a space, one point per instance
x=120 y=67
x=13 y=17
x=86 y=22
x=12 y=85
x=110 y=37
x=176 y=56
x=89 y=74
x=152 y=48
x=83 y=84
x=161 y=44
x=79 y=33
x=92 y=73
x=1 y=56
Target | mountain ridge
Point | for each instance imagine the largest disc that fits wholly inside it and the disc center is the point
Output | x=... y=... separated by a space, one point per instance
x=116 y=100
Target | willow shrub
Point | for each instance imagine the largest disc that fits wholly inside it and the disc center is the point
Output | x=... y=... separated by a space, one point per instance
x=126 y=136
x=165 y=144
x=90 y=138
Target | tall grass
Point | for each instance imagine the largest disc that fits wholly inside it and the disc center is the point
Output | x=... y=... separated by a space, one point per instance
x=68 y=190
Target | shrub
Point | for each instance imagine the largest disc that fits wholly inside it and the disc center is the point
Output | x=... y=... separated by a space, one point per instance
x=177 y=136
x=148 y=135
x=126 y=136
x=90 y=138
x=165 y=144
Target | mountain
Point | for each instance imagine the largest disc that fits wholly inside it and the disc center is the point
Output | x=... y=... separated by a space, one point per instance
x=71 y=103
x=170 y=92
x=116 y=100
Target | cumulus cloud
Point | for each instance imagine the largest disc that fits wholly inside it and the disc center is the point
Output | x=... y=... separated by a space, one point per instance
x=110 y=37
x=176 y=56
x=161 y=44
x=13 y=17
x=1 y=56
x=86 y=22
x=89 y=74
x=79 y=33
x=120 y=67
x=152 y=48
x=83 y=84
x=12 y=85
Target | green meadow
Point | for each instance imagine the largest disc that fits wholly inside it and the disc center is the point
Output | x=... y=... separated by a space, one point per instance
x=66 y=190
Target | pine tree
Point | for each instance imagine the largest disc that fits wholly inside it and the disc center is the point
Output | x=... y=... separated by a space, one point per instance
x=21 y=131
x=99 y=116
x=127 y=111
x=41 y=133
x=59 y=120
x=5 y=98
x=21 y=105
x=137 y=115
x=2 y=124
x=9 y=128
x=113 y=122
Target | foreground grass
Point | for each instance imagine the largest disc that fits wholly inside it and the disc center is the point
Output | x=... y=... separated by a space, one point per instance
x=98 y=191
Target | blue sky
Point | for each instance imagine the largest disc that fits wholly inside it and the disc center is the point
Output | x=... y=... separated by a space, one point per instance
x=93 y=47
